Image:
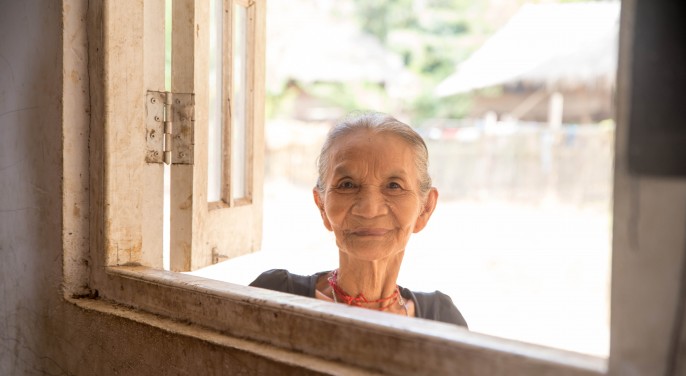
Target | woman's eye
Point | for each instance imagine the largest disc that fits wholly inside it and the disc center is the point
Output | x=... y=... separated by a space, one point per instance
x=394 y=185
x=346 y=185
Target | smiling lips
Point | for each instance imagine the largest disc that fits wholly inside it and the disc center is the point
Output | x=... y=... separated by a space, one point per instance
x=370 y=231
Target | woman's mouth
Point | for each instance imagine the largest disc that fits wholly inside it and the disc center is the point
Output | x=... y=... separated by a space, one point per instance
x=370 y=231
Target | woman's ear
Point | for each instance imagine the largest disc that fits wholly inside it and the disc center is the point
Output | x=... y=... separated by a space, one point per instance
x=320 y=205
x=427 y=210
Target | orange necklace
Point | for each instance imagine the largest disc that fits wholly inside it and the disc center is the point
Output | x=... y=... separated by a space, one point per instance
x=360 y=298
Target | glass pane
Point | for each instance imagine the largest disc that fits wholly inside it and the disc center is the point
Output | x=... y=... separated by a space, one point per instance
x=214 y=142
x=238 y=95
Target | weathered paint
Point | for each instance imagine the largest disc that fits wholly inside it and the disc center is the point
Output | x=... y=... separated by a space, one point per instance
x=44 y=224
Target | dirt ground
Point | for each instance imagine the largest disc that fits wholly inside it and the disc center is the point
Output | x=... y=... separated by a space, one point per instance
x=538 y=274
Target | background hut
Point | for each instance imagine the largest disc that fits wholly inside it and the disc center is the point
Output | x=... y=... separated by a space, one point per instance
x=550 y=62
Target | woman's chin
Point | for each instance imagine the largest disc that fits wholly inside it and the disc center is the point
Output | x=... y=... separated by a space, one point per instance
x=371 y=249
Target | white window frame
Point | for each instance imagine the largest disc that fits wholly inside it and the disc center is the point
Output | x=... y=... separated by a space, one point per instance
x=125 y=273
x=201 y=232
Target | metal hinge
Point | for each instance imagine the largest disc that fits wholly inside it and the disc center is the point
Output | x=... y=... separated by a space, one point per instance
x=169 y=127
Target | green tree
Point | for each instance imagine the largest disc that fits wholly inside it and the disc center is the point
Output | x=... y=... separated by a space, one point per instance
x=428 y=35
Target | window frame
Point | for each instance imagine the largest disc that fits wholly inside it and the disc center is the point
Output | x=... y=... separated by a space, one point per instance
x=197 y=227
x=228 y=107
x=362 y=339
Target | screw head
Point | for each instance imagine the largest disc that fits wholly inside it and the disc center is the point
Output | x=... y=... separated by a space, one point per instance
x=181 y=154
x=157 y=118
x=153 y=100
x=178 y=101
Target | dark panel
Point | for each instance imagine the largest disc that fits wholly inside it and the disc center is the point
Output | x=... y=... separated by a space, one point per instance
x=657 y=133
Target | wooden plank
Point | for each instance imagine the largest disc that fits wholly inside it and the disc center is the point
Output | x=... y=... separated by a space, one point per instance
x=256 y=170
x=153 y=174
x=130 y=194
x=201 y=252
x=252 y=81
x=228 y=231
x=123 y=119
x=236 y=105
x=371 y=340
x=265 y=359
x=181 y=180
x=227 y=79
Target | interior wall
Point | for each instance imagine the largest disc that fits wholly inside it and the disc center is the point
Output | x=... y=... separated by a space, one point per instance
x=40 y=331
x=30 y=199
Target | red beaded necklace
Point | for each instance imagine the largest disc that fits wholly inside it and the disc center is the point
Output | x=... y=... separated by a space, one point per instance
x=360 y=298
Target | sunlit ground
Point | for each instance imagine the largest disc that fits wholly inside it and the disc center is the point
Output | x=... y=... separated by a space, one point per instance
x=538 y=274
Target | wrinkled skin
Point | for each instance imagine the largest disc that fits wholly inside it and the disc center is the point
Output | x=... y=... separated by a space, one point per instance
x=371 y=200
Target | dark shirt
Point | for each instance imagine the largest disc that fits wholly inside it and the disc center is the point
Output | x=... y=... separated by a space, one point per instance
x=428 y=305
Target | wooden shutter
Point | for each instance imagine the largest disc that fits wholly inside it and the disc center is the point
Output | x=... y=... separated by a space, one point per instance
x=127 y=191
x=203 y=232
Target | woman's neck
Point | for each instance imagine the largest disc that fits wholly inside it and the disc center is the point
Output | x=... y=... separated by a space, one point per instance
x=373 y=279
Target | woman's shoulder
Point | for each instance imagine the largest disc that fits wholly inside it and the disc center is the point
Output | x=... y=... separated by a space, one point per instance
x=274 y=279
x=285 y=281
x=438 y=306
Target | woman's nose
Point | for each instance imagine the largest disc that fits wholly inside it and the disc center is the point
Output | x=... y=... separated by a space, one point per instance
x=370 y=203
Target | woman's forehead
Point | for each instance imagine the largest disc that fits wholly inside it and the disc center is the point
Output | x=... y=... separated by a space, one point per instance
x=348 y=168
x=367 y=149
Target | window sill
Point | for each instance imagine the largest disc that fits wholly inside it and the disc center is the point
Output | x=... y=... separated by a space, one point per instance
x=193 y=331
x=328 y=332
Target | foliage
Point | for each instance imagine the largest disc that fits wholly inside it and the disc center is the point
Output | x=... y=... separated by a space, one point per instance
x=432 y=38
x=424 y=33
x=379 y=17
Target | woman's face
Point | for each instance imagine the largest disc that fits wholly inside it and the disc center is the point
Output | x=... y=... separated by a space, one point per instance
x=371 y=200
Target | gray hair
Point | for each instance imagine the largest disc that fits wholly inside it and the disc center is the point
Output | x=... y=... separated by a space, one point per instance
x=377 y=123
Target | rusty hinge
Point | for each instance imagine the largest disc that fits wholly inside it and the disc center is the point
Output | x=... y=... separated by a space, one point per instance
x=169 y=127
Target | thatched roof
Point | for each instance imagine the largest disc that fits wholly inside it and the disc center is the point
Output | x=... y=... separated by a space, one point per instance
x=311 y=42
x=558 y=45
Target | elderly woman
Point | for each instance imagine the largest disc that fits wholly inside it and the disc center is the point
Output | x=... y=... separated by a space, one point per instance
x=373 y=192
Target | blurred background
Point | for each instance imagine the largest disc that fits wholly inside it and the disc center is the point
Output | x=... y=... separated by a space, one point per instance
x=515 y=101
